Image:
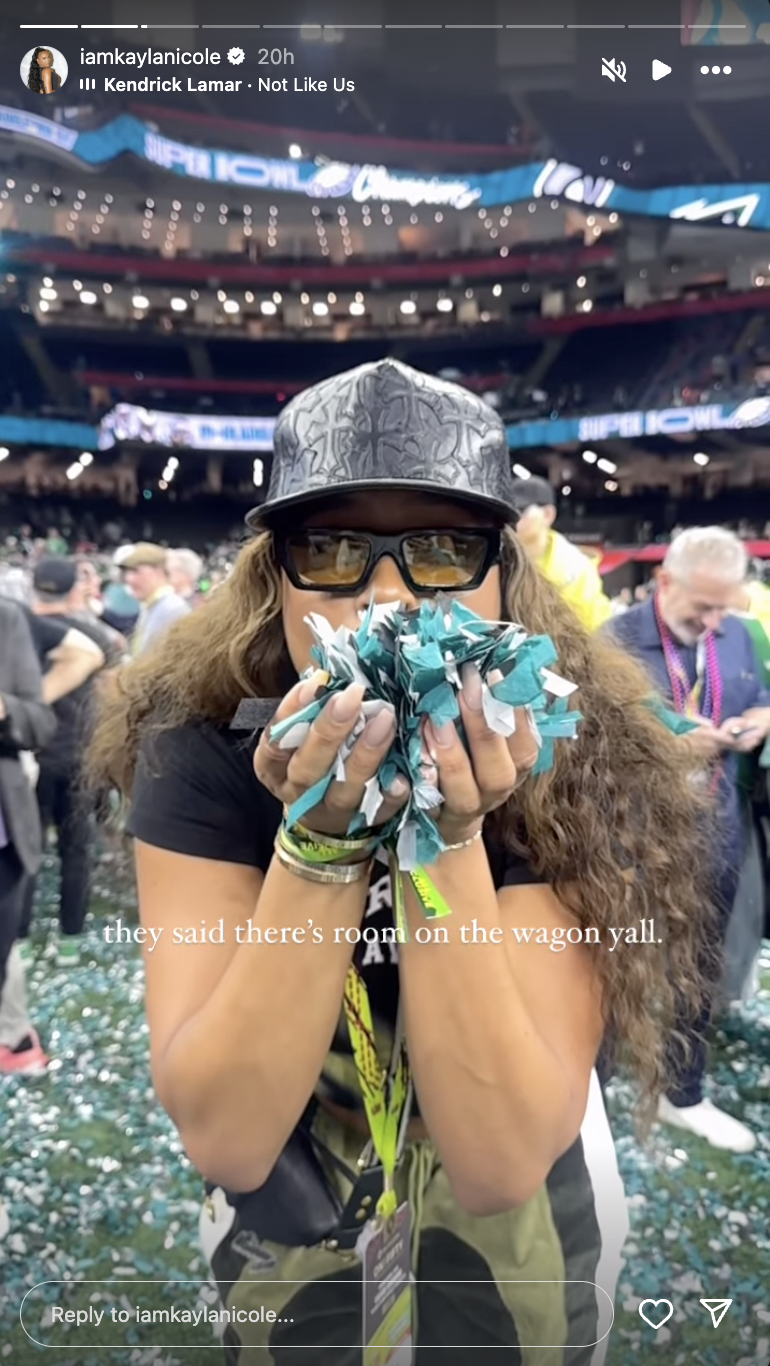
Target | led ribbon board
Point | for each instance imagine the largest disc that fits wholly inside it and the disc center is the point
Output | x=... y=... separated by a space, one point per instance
x=743 y=206
x=127 y=422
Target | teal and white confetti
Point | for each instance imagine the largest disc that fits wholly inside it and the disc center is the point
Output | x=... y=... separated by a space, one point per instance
x=413 y=661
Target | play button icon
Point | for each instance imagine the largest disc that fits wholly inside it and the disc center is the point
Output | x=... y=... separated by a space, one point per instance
x=659 y=70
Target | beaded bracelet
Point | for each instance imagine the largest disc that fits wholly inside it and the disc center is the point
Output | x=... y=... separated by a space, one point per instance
x=448 y=848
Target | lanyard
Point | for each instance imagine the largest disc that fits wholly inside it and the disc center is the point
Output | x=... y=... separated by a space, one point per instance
x=386 y=1092
x=704 y=697
x=687 y=699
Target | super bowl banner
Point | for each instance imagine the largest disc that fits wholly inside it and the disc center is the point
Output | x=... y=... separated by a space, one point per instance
x=183 y=431
x=706 y=417
x=180 y=431
x=739 y=205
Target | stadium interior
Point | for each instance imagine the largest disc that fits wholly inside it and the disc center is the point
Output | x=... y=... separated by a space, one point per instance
x=123 y=283
x=571 y=219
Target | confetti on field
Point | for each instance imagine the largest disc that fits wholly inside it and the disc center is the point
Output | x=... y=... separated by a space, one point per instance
x=96 y=1183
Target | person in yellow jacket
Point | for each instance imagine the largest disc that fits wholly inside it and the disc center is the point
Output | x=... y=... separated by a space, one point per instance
x=753 y=600
x=563 y=564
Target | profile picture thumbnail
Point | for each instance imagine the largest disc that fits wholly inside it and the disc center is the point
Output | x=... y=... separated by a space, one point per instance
x=43 y=70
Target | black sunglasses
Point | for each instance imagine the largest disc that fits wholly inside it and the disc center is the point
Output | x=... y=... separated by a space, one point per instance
x=431 y=561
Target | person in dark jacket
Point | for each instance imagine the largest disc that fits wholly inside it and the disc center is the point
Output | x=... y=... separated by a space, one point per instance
x=702 y=662
x=57 y=604
x=26 y=723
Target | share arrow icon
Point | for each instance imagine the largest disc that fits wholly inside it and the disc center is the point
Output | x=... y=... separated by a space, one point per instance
x=717 y=1309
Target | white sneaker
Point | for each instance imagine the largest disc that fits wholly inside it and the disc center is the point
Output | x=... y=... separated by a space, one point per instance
x=718 y=1128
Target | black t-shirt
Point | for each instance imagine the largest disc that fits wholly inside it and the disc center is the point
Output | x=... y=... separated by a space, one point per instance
x=196 y=793
x=47 y=635
x=64 y=750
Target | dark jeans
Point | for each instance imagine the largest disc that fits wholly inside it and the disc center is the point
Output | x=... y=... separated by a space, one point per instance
x=688 y=1088
x=62 y=804
x=12 y=883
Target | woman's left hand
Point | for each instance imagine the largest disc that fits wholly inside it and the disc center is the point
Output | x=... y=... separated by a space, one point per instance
x=472 y=784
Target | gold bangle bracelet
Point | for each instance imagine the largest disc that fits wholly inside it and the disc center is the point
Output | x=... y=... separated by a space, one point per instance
x=318 y=851
x=329 y=874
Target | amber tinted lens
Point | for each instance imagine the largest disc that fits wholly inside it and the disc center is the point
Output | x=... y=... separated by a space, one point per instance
x=444 y=559
x=323 y=561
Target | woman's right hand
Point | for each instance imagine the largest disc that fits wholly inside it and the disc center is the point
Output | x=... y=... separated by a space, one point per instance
x=288 y=773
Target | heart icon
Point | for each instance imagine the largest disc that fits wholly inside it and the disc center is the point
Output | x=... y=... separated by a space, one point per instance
x=655 y=1305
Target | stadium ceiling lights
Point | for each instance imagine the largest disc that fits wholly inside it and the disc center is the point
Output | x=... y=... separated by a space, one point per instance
x=701 y=459
x=411 y=308
x=522 y=472
x=590 y=457
x=607 y=466
x=4 y=452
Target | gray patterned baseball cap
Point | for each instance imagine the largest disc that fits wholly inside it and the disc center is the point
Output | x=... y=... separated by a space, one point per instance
x=385 y=425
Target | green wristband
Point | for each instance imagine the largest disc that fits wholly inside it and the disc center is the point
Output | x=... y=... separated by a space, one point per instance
x=320 y=849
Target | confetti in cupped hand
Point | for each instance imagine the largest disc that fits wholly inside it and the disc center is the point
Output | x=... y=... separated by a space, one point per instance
x=413 y=661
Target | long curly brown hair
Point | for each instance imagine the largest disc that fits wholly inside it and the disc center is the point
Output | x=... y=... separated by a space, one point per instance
x=618 y=826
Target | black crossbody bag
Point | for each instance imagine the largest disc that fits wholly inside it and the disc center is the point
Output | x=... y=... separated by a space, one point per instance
x=297 y=1206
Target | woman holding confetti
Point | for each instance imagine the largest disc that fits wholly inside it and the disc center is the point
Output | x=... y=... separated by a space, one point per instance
x=392 y=1098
